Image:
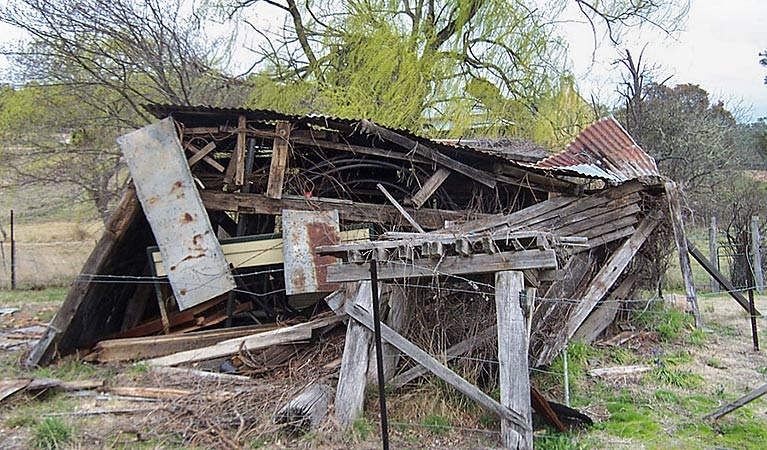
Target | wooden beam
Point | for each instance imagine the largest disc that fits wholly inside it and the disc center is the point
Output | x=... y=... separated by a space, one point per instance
x=604 y=314
x=719 y=276
x=445 y=374
x=115 y=230
x=675 y=209
x=280 y=152
x=448 y=265
x=756 y=255
x=480 y=176
x=354 y=212
x=730 y=407
x=401 y=210
x=713 y=241
x=352 y=376
x=512 y=359
x=388 y=154
x=200 y=154
x=394 y=301
x=430 y=187
x=240 y=151
x=286 y=335
x=602 y=282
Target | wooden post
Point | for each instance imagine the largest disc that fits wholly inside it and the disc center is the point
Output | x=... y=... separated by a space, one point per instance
x=280 y=150
x=675 y=210
x=756 y=255
x=350 y=393
x=713 y=232
x=13 y=256
x=512 y=359
x=396 y=299
x=730 y=407
x=754 y=333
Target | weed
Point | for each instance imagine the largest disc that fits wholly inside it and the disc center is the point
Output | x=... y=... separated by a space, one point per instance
x=555 y=441
x=762 y=370
x=437 y=424
x=362 y=428
x=68 y=370
x=666 y=396
x=23 y=419
x=622 y=356
x=137 y=369
x=629 y=421
x=676 y=358
x=684 y=379
x=697 y=338
x=715 y=363
x=51 y=433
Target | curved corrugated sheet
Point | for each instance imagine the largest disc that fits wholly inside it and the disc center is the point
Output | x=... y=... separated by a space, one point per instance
x=603 y=150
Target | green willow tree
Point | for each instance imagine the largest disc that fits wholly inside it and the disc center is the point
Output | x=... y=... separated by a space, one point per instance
x=450 y=66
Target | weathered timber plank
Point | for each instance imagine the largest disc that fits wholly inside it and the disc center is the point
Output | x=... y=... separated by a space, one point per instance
x=675 y=209
x=430 y=187
x=300 y=332
x=114 y=231
x=521 y=216
x=388 y=154
x=449 y=265
x=394 y=299
x=355 y=212
x=200 y=154
x=458 y=349
x=305 y=411
x=401 y=210
x=445 y=374
x=612 y=236
x=602 y=282
x=730 y=407
x=549 y=183
x=604 y=314
x=512 y=359
x=352 y=376
x=480 y=176
x=604 y=222
x=719 y=276
x=280 y=152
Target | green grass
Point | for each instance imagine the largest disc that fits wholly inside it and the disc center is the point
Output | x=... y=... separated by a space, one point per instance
x=68 y=370
x=51 y=433
x=683 y=379
x=437 y=424
x=552 y=440
x=630 y=421
x=362 y=429
x=23 y=297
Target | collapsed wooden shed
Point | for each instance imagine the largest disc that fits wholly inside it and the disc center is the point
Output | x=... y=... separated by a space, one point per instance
x=299 y=205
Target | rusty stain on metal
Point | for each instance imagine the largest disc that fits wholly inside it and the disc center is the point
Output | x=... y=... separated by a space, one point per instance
x=303 y=231
x=603 y=150
x=191 y=254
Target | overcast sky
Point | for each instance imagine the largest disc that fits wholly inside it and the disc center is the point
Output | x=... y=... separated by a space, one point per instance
x=718 y=50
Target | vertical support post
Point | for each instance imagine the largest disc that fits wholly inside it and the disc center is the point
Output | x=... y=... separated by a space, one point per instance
x=675 y=210
x=379 y=352
x=512 y=359
x=713 y=255
x=280 y=150
x=567 y=376
x=530 y=294
x=752 y=308
x=756 y=255
x=13 y=255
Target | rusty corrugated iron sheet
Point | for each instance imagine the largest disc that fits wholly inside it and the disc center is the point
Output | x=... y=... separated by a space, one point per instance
x=302 y=232
x=603 y=150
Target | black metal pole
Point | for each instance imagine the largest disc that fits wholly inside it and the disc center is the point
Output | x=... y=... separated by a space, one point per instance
x=752 y=307
x=13 y=256
x=379 y=353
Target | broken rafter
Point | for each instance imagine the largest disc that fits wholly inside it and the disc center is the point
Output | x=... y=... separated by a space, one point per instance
x=430 y=187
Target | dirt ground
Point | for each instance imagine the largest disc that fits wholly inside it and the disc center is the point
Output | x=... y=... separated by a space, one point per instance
x=237 y=414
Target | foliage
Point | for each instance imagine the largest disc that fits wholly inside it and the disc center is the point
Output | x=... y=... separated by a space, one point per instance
x=424 y=65
x=437 y=424
x=51 y=433
x=556 y=441
x=684 y=379
x=667 y=322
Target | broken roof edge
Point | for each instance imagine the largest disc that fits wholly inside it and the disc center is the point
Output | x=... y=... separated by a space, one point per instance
x=603 y=150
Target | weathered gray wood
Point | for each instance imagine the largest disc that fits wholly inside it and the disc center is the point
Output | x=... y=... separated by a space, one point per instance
x=388 y=154
x=401 y=210
x=512 y=359
x=604 y=314
x=619 y=371
x=713 y=254
x=730 y=288
x=430 y=187
x=280 y=151
x=675 y=210
x=394 y=298
x=286 y=335
x=448 y=265
x=355 y=212
x=730 y=407
x=114 y=232
x=199 y=154
x=305 y=411
x=602 y=282
x=352 y=377
x=413 y=351
x=458 y=349
x=240 y=153
x=408 y=144
x=756 y=255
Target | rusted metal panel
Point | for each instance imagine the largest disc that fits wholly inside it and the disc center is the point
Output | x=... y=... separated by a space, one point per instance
x=192 y=255
x=603 y=150
x=302 y=232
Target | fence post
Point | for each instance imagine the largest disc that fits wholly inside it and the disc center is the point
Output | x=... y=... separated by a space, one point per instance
x=756 y=255
x=13 y=256
x=713 y=232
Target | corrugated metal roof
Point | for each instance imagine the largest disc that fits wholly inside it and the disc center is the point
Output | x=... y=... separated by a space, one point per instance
x=603 y=150
x=514 y=149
